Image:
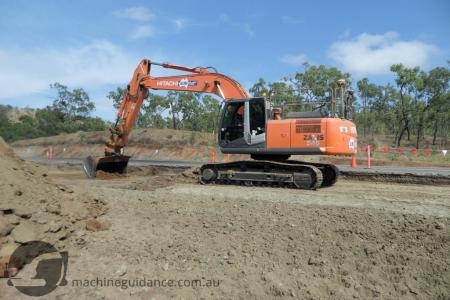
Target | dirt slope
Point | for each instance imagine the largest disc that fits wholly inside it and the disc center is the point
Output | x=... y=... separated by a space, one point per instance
x=33 y=208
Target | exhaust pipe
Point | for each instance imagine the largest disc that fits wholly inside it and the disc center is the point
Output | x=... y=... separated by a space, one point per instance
x=109 y=164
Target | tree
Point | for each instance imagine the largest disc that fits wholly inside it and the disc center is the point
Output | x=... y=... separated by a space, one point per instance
x=116 y=96
x=210 y=113
x=260 y=88
x=437 y=97
x=282 y=93
x=316 y=85
x=152 y=112
x=307 y=90
x=368 y=92
x=191 y=110
x=421 y=96
x=50 y=121
x=74 y=105
x=407 y=82
x=384 y=109
x=316 y=81
x=174 y=109
x=25 y=128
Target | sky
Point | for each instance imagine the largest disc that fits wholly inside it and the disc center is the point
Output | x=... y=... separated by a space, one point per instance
x=96 y=45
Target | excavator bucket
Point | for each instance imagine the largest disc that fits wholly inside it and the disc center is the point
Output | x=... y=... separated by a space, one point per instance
x=110 y=164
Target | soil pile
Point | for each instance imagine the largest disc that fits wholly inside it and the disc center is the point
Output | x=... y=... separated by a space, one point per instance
x=34 y=208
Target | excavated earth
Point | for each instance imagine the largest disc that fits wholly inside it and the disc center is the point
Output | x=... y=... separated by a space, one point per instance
x=160 y=234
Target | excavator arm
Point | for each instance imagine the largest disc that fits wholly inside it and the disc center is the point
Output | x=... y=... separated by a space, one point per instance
x=196 y=79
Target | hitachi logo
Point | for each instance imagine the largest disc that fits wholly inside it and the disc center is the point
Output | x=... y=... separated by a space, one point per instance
x=184 y=82
x=167 y=83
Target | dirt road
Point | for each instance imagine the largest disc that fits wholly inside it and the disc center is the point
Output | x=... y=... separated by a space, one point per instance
x=353 y=240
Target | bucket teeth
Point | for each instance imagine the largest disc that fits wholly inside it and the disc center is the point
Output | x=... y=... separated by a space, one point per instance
x=90 y=166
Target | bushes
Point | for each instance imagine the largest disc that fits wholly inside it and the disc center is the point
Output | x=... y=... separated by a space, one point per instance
x=70 y=112
x=47 y=122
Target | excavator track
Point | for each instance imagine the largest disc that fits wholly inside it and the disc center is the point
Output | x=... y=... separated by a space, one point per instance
x=330 y=173
x=292 y=174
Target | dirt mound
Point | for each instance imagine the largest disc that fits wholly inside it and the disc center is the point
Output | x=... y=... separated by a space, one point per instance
x=6 y=151
x=33 y=208
x=106 y=175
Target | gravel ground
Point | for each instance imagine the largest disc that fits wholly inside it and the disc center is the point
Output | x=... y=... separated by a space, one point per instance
x=355 y=240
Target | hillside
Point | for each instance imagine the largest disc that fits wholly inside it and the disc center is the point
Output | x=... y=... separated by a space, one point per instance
x=143 y=144
x=169 y=144
x=15 y=113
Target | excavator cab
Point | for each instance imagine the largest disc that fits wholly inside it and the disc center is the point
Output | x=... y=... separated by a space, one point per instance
x=232 y=122
x=252 y=126
x=243 y=123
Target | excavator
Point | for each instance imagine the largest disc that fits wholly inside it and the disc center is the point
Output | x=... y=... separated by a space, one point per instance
x=247 y=125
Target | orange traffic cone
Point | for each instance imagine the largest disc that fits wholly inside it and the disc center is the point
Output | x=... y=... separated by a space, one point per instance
x=212 y=155
x=354 y=164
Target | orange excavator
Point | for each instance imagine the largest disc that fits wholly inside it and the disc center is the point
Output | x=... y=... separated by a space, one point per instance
x=246 y=126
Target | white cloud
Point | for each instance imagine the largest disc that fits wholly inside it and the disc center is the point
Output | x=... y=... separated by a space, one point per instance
x=143 y=32
x=296 y=60
x=373 y=54
x=135 y=13
x=98 y=63
x=249 y=30
x=180 y=23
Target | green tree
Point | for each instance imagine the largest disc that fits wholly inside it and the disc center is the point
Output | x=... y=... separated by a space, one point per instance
x=384 y=109
x=191 y=110
x=210 y=113
x=24 y=128
x=152 y=112
x=282 y=93
x=437 y=102
x=317 y=81
x=50 y=121
x=74 y=105
x=316 y=85
x=173 y=98
x=407 y=82
x=116 y=96
x=368 y=93
x=421 y=96
x=260 y=88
